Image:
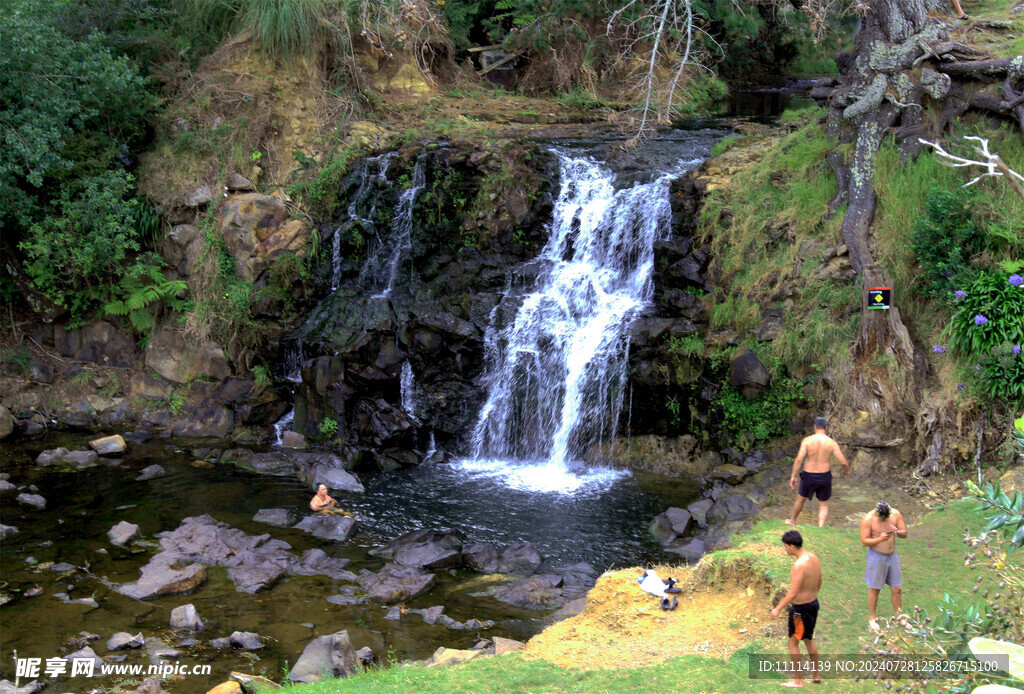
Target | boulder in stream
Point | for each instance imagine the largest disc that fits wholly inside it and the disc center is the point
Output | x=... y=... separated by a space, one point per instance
x=395 y=583
x=167 y=573
x=331 y=655
x=122 y=533
x=150 y=473
x=122 y=640
x=109 y=445
x=339 y=528
x=186 y=617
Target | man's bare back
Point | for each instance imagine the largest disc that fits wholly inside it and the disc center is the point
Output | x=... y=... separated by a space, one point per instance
x=805 y=577
x=817 y=451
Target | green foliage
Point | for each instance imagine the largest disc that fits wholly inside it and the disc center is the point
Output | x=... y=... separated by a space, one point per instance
x=141 y=288
x=321 y=194
x=988 y=317
x=82 y=246
x=68 y=109
x=945 y=239
x=687 y=345
x=328 y=427
x=262 y=375
x=16 y=357
x=284 y=271
x=286 y=28
x=1008 y=513
x=768 y=416
x=724 y=145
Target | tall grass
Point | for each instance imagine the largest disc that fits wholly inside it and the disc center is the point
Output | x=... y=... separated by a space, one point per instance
x=287 y=28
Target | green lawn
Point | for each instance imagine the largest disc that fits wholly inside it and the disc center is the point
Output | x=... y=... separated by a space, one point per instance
x=932 y=559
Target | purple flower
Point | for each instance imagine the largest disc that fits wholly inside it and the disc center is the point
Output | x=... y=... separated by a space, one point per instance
x=980 y=319
x=960 y=294
x=938 y=349
x=1016 y=349
x=1016 y=280
x=959 y=386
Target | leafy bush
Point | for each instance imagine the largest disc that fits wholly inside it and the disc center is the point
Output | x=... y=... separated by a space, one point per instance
x=749 y=422
x=142 y=287
x=328 y=427
x=83 y=244
x=945 y=239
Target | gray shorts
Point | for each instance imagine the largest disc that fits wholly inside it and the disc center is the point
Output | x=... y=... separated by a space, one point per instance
x=883 y=569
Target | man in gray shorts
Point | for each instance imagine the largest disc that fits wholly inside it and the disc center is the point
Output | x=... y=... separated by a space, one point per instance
x=878 y=532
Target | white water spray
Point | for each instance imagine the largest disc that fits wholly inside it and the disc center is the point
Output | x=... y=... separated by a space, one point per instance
x=556 y=375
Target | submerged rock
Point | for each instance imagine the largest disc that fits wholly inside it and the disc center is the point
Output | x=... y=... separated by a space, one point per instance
x=279 y=517
x=395 y=583
x=150 y=473
x=7 y=532
x=673 y=523
x=246 y=640
x=168 y=573
x=32 y=500
x=122 y=640
x=64 y=457
x=425 y=548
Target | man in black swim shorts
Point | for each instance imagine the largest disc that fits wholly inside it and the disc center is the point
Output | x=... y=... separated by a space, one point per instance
x=815 y=456
x=802 y=598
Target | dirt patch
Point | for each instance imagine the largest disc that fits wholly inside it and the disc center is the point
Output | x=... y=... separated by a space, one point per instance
x=624 y=627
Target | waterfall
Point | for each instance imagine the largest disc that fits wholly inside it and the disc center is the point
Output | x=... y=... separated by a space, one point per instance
x=556 y=374
x=380 y=266
x=283 y=425
x=407 y=384
x=367 y=189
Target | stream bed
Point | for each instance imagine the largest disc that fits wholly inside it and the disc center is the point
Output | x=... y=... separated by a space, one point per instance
x=602 y=521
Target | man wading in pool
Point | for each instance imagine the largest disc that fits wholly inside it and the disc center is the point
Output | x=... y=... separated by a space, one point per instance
x=815 y=455
x=878 y=532
x=802 y=598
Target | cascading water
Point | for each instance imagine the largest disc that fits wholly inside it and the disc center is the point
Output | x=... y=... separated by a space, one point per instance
x=380 y=266
x=367 y=185
x=556 y=374
x=407 y=385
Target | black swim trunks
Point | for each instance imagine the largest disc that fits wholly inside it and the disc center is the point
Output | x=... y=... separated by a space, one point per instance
x=820 y=482
x=802 y=619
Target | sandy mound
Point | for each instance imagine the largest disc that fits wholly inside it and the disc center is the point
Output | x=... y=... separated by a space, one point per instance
x=622 y=626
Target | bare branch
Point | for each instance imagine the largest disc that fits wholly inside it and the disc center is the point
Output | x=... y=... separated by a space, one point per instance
x=991 y=162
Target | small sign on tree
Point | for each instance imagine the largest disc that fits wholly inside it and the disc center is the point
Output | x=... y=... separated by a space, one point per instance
x=879 y=297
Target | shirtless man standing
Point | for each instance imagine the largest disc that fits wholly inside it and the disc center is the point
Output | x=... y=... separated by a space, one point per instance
x=321 y=501
x=878 y=532
x=802 y=598
x=815 y=455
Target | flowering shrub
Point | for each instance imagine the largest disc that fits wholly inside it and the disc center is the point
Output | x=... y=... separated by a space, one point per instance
x=945 y=239
x=988 y=329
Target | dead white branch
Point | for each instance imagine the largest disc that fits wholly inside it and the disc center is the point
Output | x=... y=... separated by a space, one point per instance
x=990 y=161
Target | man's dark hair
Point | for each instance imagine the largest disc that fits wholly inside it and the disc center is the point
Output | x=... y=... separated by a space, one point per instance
x=793 y=537
x=882 y=509
x=820 y=423
x=316 y=487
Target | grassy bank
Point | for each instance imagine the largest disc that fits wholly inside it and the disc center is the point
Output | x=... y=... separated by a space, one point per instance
x=932 y=565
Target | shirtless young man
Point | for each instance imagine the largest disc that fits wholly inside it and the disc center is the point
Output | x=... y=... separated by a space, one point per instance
x=802 y=598
x=878 y=532
x=321 y=501
x=815 y=455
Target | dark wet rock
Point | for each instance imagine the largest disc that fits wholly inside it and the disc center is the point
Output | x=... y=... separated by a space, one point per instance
x=732 y=507
x=325 y=468
x=425 y=548
x=109 y=445
x=253 y=579
x=280 y=517
x=6 y=422
x=123 y=532
x=186 y=617
x=32 y=500
x=246 y=640
x=173 y=356
x=339 y=528
x=138 y=436
x=7 y=532
x=395 y=583
x=220 y=643
x=569 y=609
x=691 y=549
x=273 y=463
x=757 y=494
x=769 y=328
x=316 y=562
x=83 y=654
x=40 y=372
x=520 y=558
x=167 y=573
x=346 y=600
x=535 y=592
x=673 y=523
x=748 y=375
x=68 y=600
x=766 y=477
x=331 y=655
x=481 y=557
x=729 y=473
x=151 y=472
x=755 y=461
x=699 y=511
x=123 y=640
x=430 y=615
x=292 y=439
x=62 y=456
